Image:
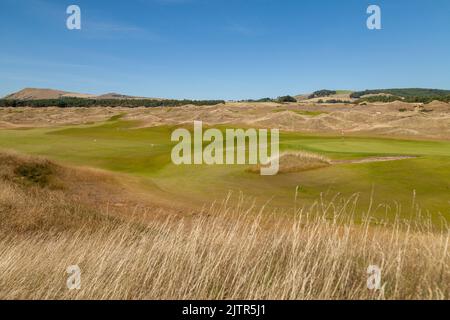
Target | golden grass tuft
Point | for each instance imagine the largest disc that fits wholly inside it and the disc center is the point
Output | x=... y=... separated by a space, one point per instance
x=297 y=161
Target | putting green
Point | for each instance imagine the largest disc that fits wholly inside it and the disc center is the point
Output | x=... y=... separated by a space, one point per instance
x=122 y=146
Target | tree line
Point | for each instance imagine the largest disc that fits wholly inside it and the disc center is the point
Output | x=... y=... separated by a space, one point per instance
x=413 y=93
x=81 y=102
x=411 y=99
x=322 y=94
x=281 y=99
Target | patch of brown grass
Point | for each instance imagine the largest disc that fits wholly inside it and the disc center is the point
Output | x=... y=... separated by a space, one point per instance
x=35 y=196
x=40 y=195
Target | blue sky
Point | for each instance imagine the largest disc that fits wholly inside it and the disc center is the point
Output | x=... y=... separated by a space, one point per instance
x=230 y=49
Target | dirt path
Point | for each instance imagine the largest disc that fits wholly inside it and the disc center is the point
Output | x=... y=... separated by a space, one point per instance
x=373 y=159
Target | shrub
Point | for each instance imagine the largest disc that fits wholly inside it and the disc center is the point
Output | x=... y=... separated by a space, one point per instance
x=286 y=99
x=322 y=93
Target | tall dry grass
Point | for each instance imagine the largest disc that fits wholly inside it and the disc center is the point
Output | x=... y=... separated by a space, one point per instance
x=225 y=252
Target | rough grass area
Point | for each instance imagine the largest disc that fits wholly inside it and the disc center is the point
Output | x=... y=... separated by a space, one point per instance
x=224 y=252
x=29 y=171
x=37 y=195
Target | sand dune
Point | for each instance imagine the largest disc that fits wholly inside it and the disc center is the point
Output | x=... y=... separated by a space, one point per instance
x=388 y=119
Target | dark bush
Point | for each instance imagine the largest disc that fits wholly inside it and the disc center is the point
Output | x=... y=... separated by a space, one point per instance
x=35 y=173
x=322 y=93
x=286 y=99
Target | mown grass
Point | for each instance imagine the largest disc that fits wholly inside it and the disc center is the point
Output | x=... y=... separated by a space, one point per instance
x=118 y=145
x=302 y=112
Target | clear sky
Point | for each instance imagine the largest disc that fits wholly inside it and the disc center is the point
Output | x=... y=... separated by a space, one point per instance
x=228 y=49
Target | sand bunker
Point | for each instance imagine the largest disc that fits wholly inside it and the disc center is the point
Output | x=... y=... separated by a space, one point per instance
x=303 y=161
x=373 y=159
x=297 y=162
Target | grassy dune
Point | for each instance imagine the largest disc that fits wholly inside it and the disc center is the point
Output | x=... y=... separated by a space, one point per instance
x=228 y=251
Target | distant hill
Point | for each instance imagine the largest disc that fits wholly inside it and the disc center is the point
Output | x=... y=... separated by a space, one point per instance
x=44 y=97
x=51 y=94
x=412 y=95
x=325 y=95
x=40 y=98
x=403 y=93
x=113 y=95
x=36 y=94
